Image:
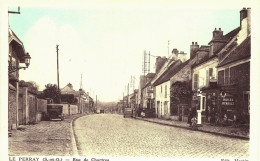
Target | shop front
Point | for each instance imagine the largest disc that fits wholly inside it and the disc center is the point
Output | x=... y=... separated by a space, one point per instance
x=215 y=106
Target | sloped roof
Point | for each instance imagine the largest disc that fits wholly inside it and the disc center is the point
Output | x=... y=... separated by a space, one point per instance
x=172 y=69
x=12 y=36
x=203 y=60
x=242 y=51
x=150 y=75
x=17 y=44
x=68 y=89
x=228 y=37
x=204 y=48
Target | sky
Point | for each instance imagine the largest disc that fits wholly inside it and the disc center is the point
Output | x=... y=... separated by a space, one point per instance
x=105 y=43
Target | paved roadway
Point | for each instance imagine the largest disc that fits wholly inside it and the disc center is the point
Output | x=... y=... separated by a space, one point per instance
x=112 y=135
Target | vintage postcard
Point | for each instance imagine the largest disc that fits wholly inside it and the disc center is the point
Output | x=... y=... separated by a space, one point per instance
x=128 y=80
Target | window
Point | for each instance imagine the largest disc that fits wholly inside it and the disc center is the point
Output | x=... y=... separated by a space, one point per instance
x=227 y=76
x=165 y=91
x=246 y=101
x=221 y=77
x=195 y=82
x=210 y=72
x=203 y=103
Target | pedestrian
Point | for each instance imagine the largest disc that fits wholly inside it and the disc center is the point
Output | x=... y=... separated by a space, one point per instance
x=192 y=113
x=212 y=116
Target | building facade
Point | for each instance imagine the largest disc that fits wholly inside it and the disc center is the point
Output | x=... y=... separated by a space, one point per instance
x=15 y=56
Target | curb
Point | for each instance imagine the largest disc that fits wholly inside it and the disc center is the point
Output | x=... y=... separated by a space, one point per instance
x=73 y=139
x=209 y=132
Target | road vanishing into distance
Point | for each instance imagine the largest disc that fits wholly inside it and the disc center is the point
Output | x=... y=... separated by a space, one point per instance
x=115 y=136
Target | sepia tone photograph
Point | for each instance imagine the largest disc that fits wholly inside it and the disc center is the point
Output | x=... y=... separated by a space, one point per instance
x=128 y=80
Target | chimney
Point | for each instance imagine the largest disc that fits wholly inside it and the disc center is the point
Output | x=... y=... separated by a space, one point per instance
x=243 y=14
x=217 y=34
x=248 y=21
x=159 y=63
x=245 y=25
x=175 y=51
x=193 y=48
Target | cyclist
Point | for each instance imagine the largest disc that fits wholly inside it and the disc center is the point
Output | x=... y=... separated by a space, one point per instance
x=192 y=113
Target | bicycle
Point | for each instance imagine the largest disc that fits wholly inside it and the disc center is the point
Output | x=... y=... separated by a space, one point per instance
x=221 y=120
x=194 y=125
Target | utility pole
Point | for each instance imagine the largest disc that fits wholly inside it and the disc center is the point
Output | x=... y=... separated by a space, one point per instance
x=146 y=68
x=81 y=86
x=168 y=47
x=128 y=95
x=96 y=102
x=123 y=108
x=14 y=12
x=80 y=94
x=57 y=50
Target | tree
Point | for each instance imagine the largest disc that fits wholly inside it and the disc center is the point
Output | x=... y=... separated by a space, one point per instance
x=181 y=93
x=52 y=91
x=69 y=98
x=32 y=86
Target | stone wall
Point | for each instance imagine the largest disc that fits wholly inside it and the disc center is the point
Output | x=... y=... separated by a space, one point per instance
x=41 y=108
x=32 y=108
x=12 y=109
x=41 y=105
x=73 y=109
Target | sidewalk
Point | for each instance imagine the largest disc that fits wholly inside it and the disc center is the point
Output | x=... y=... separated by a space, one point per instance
x=45 y=138
x=228 y=131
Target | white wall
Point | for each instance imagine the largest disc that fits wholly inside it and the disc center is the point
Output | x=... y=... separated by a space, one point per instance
x=203 y=72
x=69 y=111
x=164 y=109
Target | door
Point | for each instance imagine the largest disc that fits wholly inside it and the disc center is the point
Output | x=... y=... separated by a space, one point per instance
x=20 y=110
x=165 y=108
x=157 y=109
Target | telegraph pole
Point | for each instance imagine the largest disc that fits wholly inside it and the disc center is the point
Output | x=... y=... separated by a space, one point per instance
x=96 y=102
x=123 y=102
x=128 y=95
x=168 y=47
x=57 y=50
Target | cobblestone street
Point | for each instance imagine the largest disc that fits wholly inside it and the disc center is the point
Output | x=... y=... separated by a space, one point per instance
x=113 y=135
x=43 y=139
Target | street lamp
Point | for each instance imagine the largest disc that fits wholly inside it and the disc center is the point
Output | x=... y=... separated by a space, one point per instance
x=12 y=68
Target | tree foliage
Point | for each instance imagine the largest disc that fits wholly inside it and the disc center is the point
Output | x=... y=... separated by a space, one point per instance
x=69 y=98
x=51 y=91
x=181 y=93
x=32 y=86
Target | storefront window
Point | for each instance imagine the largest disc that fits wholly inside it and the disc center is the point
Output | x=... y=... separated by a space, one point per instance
x=227 y=76
x=195 y=82
x=221 y=77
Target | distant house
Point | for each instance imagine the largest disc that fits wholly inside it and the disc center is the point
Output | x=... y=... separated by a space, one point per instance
x=142 y=82
x=161 y=84
x=180 y=90
x=148 y=97
x=147 y=91
x=79 y=97
x=132 y=99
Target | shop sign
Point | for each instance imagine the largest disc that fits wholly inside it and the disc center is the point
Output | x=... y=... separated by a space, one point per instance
x=228 y=101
